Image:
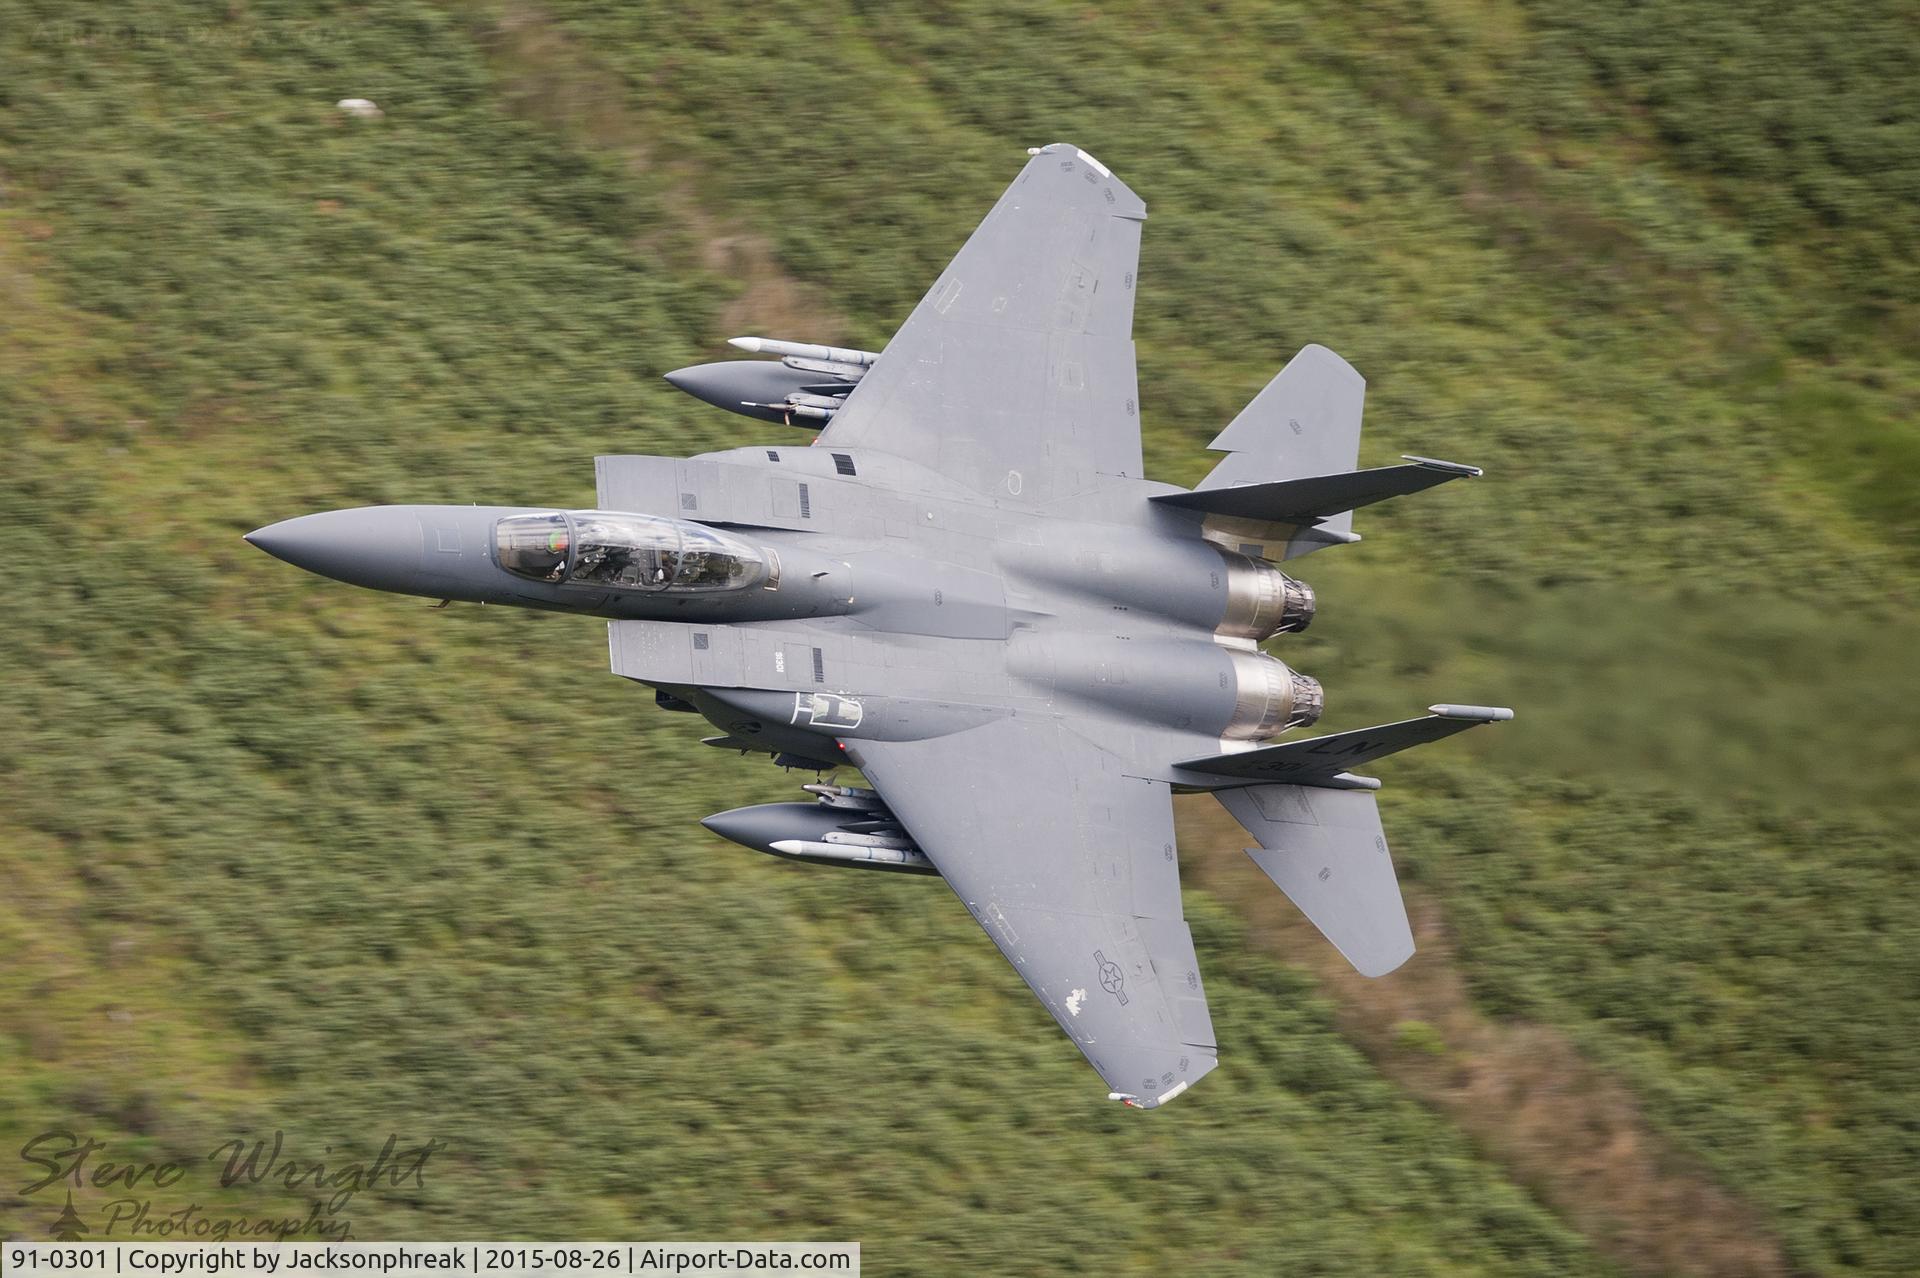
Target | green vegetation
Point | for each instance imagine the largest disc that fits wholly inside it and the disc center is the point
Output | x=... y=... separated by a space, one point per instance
x=281 y=854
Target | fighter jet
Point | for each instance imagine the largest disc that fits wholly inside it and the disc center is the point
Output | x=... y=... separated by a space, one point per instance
x=966 y=588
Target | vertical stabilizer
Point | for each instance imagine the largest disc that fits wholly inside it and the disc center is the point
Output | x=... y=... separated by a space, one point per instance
x=1305 y=423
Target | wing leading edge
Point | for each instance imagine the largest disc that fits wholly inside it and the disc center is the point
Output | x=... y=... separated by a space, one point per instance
x=1015 y=373
x=1070 y=869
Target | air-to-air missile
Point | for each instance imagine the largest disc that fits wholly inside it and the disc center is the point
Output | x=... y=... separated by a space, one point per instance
x=805 y=386
x=844 y=826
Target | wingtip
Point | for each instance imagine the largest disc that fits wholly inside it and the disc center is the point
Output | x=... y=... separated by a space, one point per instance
x=1082 y=152
x=1451 y=468
x=1483 y=714
x=1375 y=964
x=1131 y=207
x=1131 y=1101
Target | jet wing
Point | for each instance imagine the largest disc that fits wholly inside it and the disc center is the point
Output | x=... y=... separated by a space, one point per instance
x=1015 y=374
x=1070 y=868
x=1325 y=760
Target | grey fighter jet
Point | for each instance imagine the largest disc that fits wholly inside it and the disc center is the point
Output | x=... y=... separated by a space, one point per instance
x=966 y=588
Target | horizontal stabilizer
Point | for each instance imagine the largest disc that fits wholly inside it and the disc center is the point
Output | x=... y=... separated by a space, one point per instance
x=1309 y=500
x=1325 y=849
x=1325 y=761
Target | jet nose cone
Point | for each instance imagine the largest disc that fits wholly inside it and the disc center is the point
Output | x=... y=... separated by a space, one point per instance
x=374 y=546
x=728 y=825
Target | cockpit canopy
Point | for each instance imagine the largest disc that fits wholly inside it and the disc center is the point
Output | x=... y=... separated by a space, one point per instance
x=627 y=552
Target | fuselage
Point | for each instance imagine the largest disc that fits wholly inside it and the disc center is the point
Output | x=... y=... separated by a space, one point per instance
x=940 y=606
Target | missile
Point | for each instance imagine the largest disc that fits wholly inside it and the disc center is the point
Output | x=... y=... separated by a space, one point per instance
x=852 y=838
x=1484 y=714
x=805 y=399
x=817 y=832
x=846 y=796
x=790 y=410
x=804 y=350
x=807 y=384
x=844 y=372
x=907 y=860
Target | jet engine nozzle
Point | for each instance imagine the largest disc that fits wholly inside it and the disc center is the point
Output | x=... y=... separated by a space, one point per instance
x=1297 y=605
x=1271 y=697
x=1262 y=601
x=1309 y=701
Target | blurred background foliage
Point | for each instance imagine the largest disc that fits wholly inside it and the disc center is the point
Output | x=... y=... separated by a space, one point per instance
x=279 y=854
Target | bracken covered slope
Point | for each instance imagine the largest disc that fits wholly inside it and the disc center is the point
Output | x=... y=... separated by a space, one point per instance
x=279 y=854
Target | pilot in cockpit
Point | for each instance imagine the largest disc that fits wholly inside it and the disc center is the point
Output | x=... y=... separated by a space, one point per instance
x=626 y=552
x=557 y=543
x=587 y=565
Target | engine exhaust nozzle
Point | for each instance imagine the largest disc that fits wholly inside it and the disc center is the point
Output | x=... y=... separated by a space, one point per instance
x=1262 y=601
x=1271 y=697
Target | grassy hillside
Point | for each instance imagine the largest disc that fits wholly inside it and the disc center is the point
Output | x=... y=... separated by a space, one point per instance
x=279 y=854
